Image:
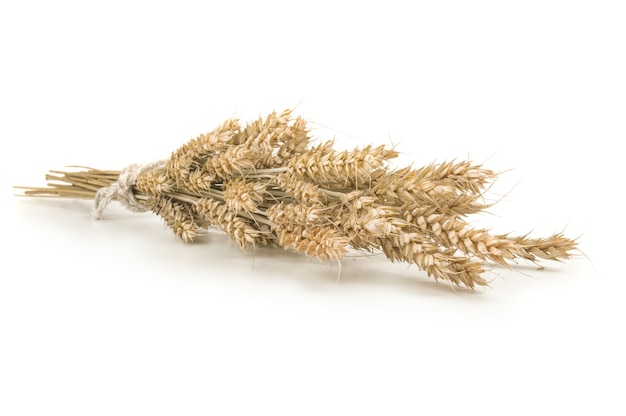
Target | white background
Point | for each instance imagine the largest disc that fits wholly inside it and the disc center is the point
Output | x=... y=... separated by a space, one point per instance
x=118 y=317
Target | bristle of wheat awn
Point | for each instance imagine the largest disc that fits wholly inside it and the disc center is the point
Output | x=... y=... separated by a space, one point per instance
x=264 y=185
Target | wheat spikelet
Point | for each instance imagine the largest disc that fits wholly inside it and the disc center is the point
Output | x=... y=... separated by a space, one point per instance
x=154 y=182
x=555 y=247
x=192 y=154
x=294 y=142
x=299 y=189
x=234 y=160
x=465 y=176
x=218 y=215
x=240 y=194
x=316 y=241
x=177 y=216
x=324 y=164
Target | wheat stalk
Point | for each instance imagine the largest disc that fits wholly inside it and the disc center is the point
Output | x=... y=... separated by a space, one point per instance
x=263 y=185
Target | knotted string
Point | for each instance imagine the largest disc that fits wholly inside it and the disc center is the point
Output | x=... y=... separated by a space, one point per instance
x=122 y=190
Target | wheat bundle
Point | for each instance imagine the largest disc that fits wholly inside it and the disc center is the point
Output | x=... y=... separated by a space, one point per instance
x=265 y=185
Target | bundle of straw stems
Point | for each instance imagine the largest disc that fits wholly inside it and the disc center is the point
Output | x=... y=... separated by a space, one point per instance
x=265 y=185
